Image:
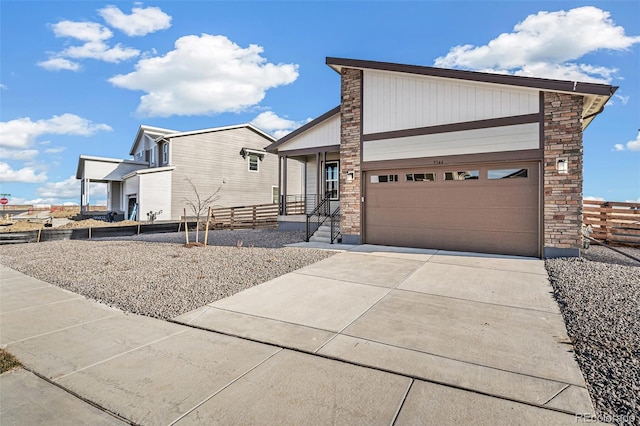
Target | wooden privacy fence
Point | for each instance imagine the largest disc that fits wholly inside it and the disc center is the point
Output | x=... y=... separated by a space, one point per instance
x=258 y=216
x=613 y=223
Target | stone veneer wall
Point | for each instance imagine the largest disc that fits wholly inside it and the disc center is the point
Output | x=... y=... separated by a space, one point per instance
x=350 y=138
x=562 y=192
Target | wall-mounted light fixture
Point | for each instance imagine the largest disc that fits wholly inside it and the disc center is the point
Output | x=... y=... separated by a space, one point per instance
x=349 y=176
x=562 y=165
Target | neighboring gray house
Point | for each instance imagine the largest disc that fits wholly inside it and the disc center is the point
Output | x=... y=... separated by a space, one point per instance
x=155 y=180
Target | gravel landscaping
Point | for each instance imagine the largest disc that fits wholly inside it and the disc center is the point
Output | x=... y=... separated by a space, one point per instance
x=161 y=280
x=599 y=296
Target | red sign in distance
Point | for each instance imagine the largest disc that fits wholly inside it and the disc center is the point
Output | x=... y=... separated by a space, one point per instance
x=3 y=201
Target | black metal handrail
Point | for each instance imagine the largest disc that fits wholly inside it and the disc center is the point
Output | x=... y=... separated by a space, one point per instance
x=317 y=216
x=335 y=224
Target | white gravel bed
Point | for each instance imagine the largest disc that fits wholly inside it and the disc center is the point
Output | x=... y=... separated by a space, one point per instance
x=225 y=237
x=155 y=279
x=600 y=302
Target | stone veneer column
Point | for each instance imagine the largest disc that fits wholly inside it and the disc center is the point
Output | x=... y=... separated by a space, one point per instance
x=562 y=192
x=350 y=135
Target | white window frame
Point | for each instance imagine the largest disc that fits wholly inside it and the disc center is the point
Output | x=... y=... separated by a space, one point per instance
x=335 y=163
x=257 y=158
x=277 y=194
x=165 y=153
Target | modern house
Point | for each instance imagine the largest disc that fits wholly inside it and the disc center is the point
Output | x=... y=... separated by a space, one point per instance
x=447 y=159
x=165 y=161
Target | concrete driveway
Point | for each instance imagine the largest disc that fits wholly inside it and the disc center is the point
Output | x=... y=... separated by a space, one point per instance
x=453 y=322
x=369 y=336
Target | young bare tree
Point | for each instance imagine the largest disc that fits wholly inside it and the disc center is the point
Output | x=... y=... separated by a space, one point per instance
x=200 y=205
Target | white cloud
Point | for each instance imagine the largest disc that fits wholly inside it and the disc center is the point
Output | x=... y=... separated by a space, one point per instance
x=18 y=154
x=94 y=37
x=543 y=45
x=592 y=198
x=57 y=64
x=637 y=200
x=279 y=127
x=623 y=99
x=68 y=188
x=56 y=150
x=21 y=132
x=24 y=175
x=205 y=74
x=633 y=145
x=140 y=22
x=3 y=87
x=83 y=31
x=101 y=51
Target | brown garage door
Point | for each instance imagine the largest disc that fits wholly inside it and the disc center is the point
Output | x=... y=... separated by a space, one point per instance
x=483 y=208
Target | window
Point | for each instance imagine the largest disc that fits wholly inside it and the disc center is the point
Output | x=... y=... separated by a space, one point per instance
x=384 y=178
x=165 y=153
x=331 y=179
x=465 y=175
x=253 y=163
x=420 y=177
x=274 y=194
x=508 y=173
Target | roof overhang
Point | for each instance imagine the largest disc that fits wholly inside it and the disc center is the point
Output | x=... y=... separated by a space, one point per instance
x=273 y=148
x=149 y=171
x=152 y=132
x=245 y=152
x=595 y=95
x=83 y=158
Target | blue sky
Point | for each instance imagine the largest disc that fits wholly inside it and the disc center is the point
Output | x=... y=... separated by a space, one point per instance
x=79 y=77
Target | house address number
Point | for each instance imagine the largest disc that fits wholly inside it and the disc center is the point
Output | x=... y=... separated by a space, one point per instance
x=438 y=162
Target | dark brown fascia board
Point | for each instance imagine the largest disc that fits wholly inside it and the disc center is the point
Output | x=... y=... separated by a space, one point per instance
x=311 y=151
x=510 y=80
x=272 y=148
x=455 y=127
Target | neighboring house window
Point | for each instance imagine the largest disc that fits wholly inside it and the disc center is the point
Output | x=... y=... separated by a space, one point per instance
x=153 y=156
x=274 y=194
x=331 y=179
x=253 y=163
x=165 y=153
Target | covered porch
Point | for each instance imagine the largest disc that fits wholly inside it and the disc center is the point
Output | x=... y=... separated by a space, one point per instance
x=93 y=171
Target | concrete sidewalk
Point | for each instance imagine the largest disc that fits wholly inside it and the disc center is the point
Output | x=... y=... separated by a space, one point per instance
x=359 y=338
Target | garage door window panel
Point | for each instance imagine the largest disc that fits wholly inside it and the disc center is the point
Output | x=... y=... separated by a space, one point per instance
x=420 y=177
x=462 y=175
x=384 y=178
x=507 y=173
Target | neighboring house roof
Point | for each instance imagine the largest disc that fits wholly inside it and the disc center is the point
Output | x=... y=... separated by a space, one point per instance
x=273 y=147
x=84 y=158
x=148 y=171
x=156 y=133
x=596 y=95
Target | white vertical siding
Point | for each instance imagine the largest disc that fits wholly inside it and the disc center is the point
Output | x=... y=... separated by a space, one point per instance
x=494 y=139
x=324 y=134
x=393 y=101
x=155 y=195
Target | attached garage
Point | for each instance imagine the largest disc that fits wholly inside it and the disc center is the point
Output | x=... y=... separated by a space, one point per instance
x=484 y=208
